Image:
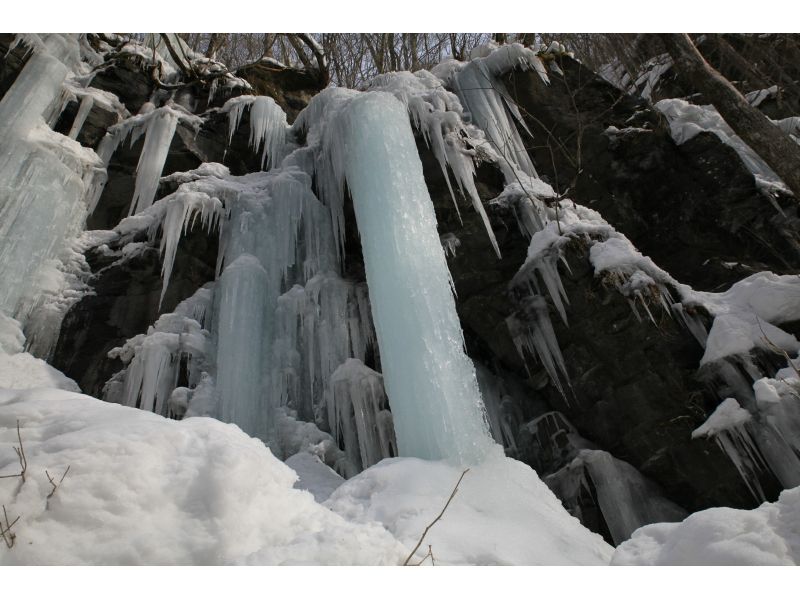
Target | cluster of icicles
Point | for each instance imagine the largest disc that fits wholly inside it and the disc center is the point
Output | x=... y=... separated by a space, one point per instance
x=279 y=336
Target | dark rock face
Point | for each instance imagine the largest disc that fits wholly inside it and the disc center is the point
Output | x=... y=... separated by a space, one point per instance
x=291 y=88
x=12 y=62
x=694 y=209
x=634 y=390
x=94 y=127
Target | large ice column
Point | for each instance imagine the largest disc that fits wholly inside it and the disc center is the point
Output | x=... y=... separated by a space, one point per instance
x=430 y=381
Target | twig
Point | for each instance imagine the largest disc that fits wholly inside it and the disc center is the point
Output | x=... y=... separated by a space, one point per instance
x=432 y=523
x=23 y=462
x=8 y=535
x=53 y=484
x=426 y=557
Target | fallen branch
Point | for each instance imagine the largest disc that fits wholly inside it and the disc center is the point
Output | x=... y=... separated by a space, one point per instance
x=432 y=523
x=426 y=557
x=5 y=531
x=23 y=462
x=55 y=485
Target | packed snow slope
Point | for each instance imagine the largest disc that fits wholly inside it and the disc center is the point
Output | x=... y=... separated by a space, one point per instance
x=502 y=513
x=143 y=489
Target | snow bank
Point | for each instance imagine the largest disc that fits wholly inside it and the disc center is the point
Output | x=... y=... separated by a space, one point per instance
x=502 y=513
x=768 y=535
x=142 y=489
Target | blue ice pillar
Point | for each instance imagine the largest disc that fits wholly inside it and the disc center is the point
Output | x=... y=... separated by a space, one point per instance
x=240 y=345
x=430 y=381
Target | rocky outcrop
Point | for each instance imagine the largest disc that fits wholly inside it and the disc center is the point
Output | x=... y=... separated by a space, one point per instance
x=694 y=208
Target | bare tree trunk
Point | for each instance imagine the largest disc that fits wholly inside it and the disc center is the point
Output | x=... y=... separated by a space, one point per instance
x=728 y=53
x=269 y=41
x=213 y=44
x=500 y=38
x=774 y=146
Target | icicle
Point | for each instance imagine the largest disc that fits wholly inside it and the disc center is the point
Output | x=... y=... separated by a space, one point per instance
x=83 y=111
x=240 y=343
x=692 y=322
x=730 y=427
x=154 y=360
x=778 y=429
x=268 y=126
x=436 y=113
x=532 y=332
x=160 y=130
x=317 y=329
x=183 y=208
x=484 y=96
x=502 y=413
x=450 y=242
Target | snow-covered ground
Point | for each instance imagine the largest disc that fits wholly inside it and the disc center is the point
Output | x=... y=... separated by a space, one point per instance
x=143 y=489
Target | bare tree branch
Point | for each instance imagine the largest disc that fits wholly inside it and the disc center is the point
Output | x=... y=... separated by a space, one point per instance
x=438 y=517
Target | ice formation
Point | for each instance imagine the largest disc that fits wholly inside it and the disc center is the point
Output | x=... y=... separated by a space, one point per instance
x=284 y=346
x=47 y=180
x=175 y=347
x=358 y=414
x=437 y=115
x=268 y=126
x=430 y=381
x=729 y=426
x=627 y=500
x=502 y=412
x=485 y=98
x=158 y=126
